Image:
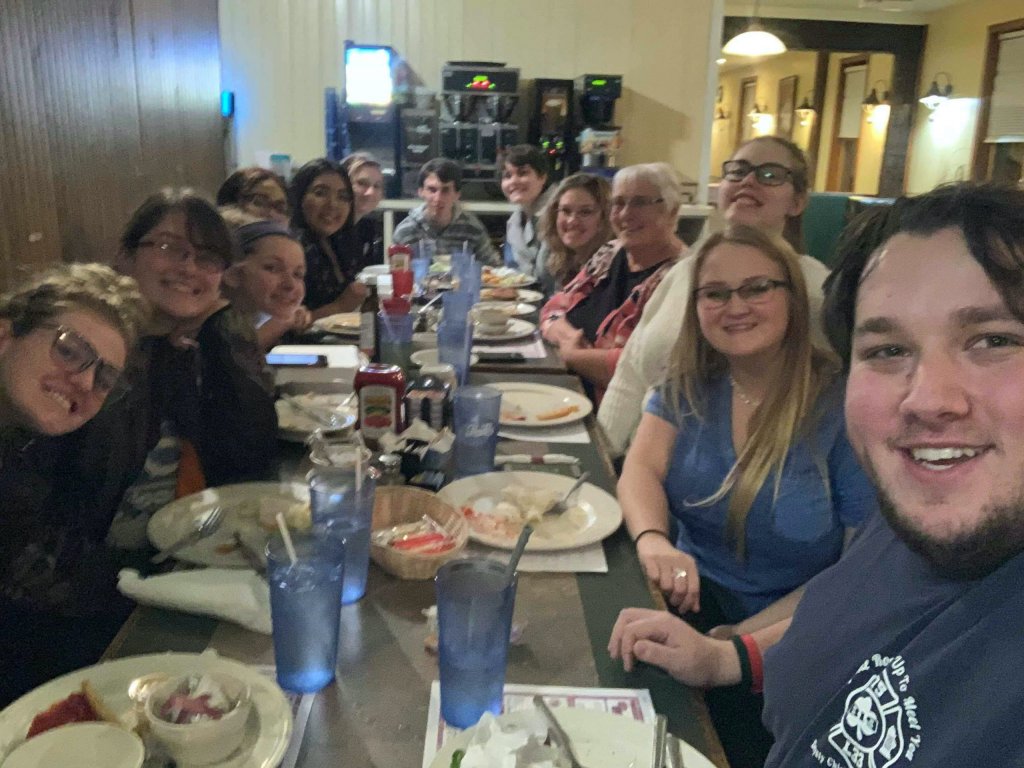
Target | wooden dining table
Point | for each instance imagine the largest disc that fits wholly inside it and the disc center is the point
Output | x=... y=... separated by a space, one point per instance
x=375 y=713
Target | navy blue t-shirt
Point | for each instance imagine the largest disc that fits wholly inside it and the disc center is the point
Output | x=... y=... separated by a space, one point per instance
x=888 y=664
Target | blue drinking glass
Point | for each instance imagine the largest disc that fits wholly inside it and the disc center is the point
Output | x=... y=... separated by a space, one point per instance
x=476 y=412
x=305 y=610
x=343 y=512
x=475 y=602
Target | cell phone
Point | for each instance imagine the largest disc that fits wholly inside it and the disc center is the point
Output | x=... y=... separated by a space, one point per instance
x=297 y=360
x=500 y=357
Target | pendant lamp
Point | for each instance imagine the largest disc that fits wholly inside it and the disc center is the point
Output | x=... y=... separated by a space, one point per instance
x=755 y=40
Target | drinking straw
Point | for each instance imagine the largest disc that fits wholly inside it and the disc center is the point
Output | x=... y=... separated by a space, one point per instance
x=289 y=547
x=359 y=461
x=524 y=536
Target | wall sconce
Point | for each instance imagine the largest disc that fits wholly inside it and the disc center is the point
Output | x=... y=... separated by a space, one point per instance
x=806 y=112
x=871 y=104
x=720 y=114
x=937 y=94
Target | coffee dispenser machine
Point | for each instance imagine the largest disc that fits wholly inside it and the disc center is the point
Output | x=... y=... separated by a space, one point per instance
x=477 y=101
x=552 y=125
x=600 y=140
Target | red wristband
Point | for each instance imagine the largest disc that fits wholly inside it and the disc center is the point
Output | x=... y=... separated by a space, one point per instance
x=756 y=664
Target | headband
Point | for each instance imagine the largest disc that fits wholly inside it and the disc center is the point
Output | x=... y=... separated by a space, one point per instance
x=248 y=234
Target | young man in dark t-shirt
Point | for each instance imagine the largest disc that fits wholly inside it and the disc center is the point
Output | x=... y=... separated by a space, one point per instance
x=904 y=653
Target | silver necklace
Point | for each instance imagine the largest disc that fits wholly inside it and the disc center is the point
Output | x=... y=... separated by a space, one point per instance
x=743 y=395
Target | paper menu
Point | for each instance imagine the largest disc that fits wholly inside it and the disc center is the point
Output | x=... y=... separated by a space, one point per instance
x=628 y=702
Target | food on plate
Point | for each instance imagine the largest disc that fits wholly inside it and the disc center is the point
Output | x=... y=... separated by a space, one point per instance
x=82 y=706
x=512 y=412
x=499 y=294
x=345 y=322
x=524 y=743
x=557 y=413
x=501 y=277
x=297 y=514
x=194 y=699
x=425 y=536
x=517 y=507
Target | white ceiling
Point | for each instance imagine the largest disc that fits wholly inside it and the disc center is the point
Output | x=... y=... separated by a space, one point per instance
x=838 y=10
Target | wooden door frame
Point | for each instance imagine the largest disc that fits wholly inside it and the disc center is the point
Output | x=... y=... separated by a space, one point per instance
x=833 y=154
x=979 y=160
x=741 y=115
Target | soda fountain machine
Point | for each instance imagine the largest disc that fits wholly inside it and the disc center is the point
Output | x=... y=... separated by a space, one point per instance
x=600 y=140
x=553 y=124
x=477 y=101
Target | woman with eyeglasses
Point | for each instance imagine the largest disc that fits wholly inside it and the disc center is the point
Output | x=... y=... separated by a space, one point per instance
x=591 y=319
x=324 y=220
x=64 y=339
x=257 y=191
x=743 y=446
x=364 y=171
x=573 y=225
x=764 y=185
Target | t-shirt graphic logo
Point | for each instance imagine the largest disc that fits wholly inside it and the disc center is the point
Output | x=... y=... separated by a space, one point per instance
x=870 y=732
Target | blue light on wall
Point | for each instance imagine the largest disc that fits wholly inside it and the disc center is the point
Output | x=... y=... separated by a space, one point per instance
x=227 y=103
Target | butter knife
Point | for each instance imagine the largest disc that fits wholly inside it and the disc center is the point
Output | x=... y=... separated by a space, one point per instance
x=674 y=748
x=660 y=734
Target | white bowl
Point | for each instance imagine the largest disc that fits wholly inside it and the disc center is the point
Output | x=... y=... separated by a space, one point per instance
x=80 y=745
x=208 y=741
x=429 y=357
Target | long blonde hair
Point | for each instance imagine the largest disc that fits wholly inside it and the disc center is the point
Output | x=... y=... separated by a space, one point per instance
x=784 y=414
x=563 y=263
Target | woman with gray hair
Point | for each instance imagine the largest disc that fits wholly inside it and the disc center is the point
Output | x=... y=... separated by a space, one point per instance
x=591 y=319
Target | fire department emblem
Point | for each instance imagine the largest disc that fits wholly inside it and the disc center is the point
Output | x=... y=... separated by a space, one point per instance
x=870 y=732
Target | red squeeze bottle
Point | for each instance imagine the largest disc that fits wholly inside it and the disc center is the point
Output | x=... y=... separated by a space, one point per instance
x=399 y=257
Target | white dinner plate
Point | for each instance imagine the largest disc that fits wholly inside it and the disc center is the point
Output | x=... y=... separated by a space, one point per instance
x=523 y=294
x=600 y=739
x=79 y=745
x=511 y=308
x=596 y=515
x=342 y=324
x=267 y=732
x=540 y=405
x=429 y=357
x=242 y=504
x=517 y=329
x=504 y=277
x=295 y=426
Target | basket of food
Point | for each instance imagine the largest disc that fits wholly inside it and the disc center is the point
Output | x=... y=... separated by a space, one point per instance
x=414 y=532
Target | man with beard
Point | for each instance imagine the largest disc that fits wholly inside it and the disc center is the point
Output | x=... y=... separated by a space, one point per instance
x=904 y=652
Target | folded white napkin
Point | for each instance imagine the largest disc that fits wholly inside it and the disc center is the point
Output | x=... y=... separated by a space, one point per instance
x=235 y=595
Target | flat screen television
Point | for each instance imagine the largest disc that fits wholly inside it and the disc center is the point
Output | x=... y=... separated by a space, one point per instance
x=369 y=80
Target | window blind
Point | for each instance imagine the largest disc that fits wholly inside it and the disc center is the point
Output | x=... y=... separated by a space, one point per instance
x=1006 y=114
x=853 y=97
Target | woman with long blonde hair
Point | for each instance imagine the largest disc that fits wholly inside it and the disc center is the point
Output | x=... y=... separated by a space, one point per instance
x=573 y=225
x=743 y=443
x=743 y=447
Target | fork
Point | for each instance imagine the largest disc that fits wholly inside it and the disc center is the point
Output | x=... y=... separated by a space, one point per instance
x=204 y=525
x=562 y=504
x=323 y=419
x=560 y=735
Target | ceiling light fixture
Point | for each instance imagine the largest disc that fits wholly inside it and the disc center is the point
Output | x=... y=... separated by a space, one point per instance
x=755 y=40
x=937 y=94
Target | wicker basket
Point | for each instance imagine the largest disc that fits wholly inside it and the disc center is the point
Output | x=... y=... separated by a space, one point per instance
x=397 y=504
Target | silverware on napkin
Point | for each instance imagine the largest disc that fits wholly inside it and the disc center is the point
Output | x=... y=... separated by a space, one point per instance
x=660 y=734
x=560 y=736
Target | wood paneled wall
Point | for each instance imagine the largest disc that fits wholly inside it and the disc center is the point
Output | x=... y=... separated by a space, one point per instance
x=101 y=102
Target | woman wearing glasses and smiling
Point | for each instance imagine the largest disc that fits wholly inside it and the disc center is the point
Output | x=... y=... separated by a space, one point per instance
x=591 y=319
x=258 y=192
x=744 y=446
x=64 y=340
x=764 y=185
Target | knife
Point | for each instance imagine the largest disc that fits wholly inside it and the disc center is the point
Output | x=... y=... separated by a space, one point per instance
x=249 y=554
x=660 y=734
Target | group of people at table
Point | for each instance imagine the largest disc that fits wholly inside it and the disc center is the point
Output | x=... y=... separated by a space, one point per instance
x=839 y=523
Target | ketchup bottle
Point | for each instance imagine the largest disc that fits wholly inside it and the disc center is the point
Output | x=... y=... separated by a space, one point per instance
x=380 y=389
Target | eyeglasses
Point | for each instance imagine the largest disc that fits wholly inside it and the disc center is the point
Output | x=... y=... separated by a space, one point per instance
x=767 y=174
x=640 y=201
x=579 y=213
x=206 y=259
x=262 y=202
x=77 y=355
x=754 y=292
